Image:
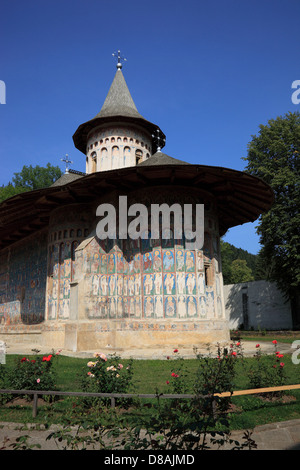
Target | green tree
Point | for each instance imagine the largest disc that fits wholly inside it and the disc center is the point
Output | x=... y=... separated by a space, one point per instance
x=247 y=269
x=30 y=178
x=240 y=272
x=273 y=155
x=36 y=177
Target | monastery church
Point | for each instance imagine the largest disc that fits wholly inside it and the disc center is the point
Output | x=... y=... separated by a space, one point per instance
x=63 y=287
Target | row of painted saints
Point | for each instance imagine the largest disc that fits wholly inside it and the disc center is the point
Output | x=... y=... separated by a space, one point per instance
x=148 y=284
x=155 y=307
x=156 y=261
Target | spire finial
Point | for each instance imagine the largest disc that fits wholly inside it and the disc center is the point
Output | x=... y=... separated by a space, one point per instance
x=118 y=55
x=159 y=140
x=67 y=161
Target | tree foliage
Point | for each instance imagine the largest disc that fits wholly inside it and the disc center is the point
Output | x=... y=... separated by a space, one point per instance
x=30 y=178
x=238 y=265
x=274 y=156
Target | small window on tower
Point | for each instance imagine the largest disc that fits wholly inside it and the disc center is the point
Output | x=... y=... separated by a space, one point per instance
x=138 y=156
x=94 y=162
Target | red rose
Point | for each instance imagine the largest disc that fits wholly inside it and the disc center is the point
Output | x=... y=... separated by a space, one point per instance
x=47 y=358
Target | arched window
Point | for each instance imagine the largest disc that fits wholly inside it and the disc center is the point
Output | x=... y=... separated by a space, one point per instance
x=126 y=153
x=138 y=156
x=94 y=162
x=115 y=156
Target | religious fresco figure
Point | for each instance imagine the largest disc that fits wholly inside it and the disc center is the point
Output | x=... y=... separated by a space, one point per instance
x=120 y=263
x=169 y=284
x=181 y=306
x=156 y=260
x=137 y=284
x=168 y=261
x=191 y=306
x=95 y=263
x=191 y=283
x=103 y=284
x=95 y=284
x=158 y=306
x=180 y=260
x=111 y=266
x=148 y=284
x=201 y=283
x=131 y=285
x=138 y=307
x=200 y=264
x=189 y=261
x=120 y=284
x=181 y=288
x=112 y=307
x=210 y=301
x=148 y=307
x=125 y=286
x=137 y=263
x=112 y=284
x=119 y=307
x=170 y=307
x=147 y=263
x=104 y=264
x=202 y=302
x=158 y=283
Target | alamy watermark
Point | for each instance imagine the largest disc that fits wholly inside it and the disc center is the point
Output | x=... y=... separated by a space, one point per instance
x=2 y=92
x=187 y=223
x=296 y=94
x=295 y=358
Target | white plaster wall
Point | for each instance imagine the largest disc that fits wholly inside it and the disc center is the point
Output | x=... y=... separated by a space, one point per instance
x=116 y=147
x=267 y=308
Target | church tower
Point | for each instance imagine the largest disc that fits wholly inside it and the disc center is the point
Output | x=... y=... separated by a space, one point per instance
x=118 y=136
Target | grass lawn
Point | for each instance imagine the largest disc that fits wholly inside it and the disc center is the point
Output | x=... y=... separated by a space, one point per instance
x=150 y=376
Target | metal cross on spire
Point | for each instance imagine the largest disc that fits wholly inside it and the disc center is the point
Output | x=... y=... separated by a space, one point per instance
x=118 y=55
x=67 y=161
x=159 y=140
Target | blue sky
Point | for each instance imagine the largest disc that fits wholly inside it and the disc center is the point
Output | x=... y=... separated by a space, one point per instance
x=208 y=73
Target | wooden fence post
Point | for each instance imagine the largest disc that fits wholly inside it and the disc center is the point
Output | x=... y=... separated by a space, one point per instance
x=35 y=403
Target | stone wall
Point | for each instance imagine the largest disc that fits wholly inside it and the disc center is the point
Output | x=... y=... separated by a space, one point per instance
x=258 y=304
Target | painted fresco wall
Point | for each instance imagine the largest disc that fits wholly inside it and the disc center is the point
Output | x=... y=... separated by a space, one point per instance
x=151 y=279
x=68 y=227
x=23 y=273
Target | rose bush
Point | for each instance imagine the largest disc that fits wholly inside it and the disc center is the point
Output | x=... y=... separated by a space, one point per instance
x=32 y=374
x=107 y=375
x=267 y=371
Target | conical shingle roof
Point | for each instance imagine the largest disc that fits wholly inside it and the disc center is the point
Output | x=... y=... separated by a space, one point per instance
x=117 y=107
x=119 y=101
